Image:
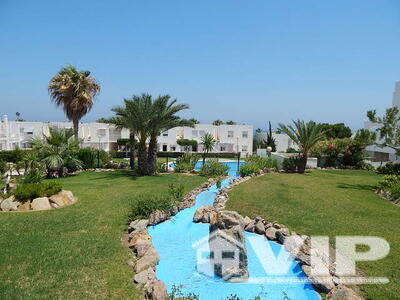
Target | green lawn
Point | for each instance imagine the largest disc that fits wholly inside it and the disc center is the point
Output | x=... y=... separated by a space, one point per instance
x=329 y=203
x=76 y=252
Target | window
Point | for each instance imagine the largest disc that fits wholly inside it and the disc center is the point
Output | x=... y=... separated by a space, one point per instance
x=165 y=133
x=202 y=133
x=230 y=134
x=223 y=148
x=245 y=134
x=194 y=133
x=101 y=132
x=164 y=147
x=244 y=148
x=228 y=255
x=172 y=148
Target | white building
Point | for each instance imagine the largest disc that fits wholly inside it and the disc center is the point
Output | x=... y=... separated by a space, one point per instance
x=229 y=138
x=282 y=141
x=376 y=153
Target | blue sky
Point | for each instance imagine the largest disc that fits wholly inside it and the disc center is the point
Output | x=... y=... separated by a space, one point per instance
x=249 y=61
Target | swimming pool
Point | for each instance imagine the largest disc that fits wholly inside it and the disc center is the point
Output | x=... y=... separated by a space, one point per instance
x=174 y=238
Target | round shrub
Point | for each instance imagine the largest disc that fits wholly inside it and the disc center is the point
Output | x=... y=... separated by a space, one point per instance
x=289 y=165
x=213 y=169
x=248 y=169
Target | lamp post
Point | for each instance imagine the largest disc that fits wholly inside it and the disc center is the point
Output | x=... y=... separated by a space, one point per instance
x=238 y=154
x=269 y=150
x=98 y=152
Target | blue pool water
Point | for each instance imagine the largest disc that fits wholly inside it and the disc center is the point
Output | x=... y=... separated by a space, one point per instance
x=173 y=240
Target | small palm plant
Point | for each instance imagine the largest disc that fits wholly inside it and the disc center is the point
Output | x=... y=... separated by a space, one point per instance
x=305 y=135
x=57 y=151
x=73 y=90
x=208 y=143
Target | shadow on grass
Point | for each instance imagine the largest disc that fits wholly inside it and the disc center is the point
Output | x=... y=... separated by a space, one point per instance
x=362 y=187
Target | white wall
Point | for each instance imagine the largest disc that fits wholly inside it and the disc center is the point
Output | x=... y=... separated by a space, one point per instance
x=283 y=142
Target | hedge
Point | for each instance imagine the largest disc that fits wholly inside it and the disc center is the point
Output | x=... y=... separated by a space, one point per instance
x=13 y=156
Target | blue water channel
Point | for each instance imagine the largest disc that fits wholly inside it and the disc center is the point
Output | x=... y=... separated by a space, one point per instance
x=180 y=243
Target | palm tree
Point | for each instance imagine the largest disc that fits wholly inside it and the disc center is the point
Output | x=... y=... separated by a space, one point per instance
x=305 y=135
x=73 y=90
x=162 y=118
x=217 y=123
x=230 y=123
x=58 y=151
x=194 y=121
x=208 y=143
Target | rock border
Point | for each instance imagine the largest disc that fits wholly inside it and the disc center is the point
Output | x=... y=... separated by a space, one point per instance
x=61 y=199
x=146 y=256
x=298 y=246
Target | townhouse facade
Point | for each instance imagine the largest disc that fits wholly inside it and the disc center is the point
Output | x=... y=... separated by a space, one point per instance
x=229 y=138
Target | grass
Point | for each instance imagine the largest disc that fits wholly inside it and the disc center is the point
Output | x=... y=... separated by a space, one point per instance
x=76 y=252
x=330 y=203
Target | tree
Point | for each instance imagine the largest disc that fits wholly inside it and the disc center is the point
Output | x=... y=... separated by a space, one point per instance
x=389 y=129
x=75 y=91
x=230 y=123
x=163 y=116
x=270 y=141
x=18 y=117
x=217 y=123
x=258 y=130
x=194 y=121
x=58 y=151
x=336 y=131
x=305 y=135
x=208 y=143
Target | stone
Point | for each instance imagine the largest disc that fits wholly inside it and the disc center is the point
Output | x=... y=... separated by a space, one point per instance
x=138 y=225
x=26 y=206
x=246 y=220
x=250 y=227
x=227 y=236
x=342 y=292
x=204 y=214
x=41 y=203
x=157 y=217
x=147 y=261
x=144 y=276
x=293 y=243
x=270 y=233
x=9 y=204
x=54 y=205
x=141 y=238
x=280 y=236
x=259 y=228
x=141 y=249
x=155 y=290
x=63 y=198
x=323 y=283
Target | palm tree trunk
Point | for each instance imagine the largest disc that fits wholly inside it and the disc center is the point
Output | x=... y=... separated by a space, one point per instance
x=142 y=157
x=132 y=150
x=204 y=158
x=75 y=123
x=152 y=155
x=301 y=168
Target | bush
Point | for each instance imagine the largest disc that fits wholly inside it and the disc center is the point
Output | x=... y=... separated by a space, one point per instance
x=388 y=181
x=207 y=155
x=263 y=162
x=118 y=154
x=175 y=192
x=291 y=150
x=13 y=156
x=145 y=204
x=290 y=164
x=214 y=169
x=395 y=191
x=30 y=191
x=32 y=176
x=186 y=162
x=90 y=156
x=248 y=169
x=3 y=168
x=51 y=187
x=162 y=167
x=389 y=169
